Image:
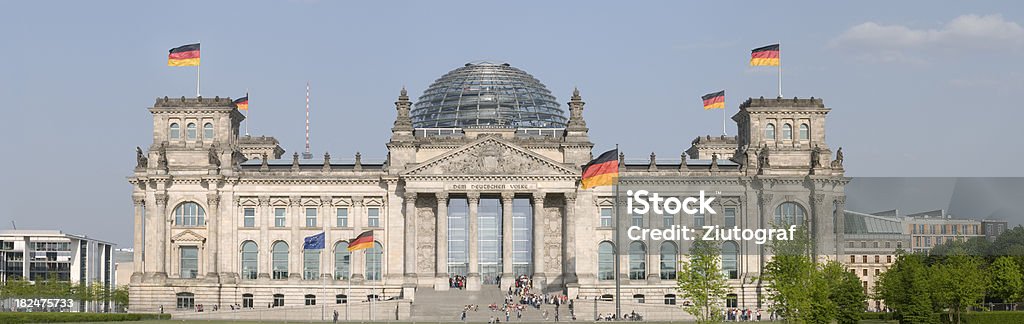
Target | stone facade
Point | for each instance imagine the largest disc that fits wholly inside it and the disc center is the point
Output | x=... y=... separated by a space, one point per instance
x=411 y=192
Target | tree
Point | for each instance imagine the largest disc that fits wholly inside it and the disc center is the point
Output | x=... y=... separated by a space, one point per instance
x=959 y=284
x=120 y=297
x=1006 y=284
x=701 y=281
x=846 y=292
x=906 y=289
x=790 y=277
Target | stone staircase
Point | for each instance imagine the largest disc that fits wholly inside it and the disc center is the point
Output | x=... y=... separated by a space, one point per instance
x=446 y=306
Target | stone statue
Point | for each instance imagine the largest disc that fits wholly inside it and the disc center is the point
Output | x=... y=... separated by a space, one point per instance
x=838 y=162
x=762 y=159
x=682 y=161
x=622 y=159
x=213 y=157
x=359 y=162
x=295 y=161
x=654 y=165
x=142 y=161
x=264 y=165
x=327 y=162
x=816 y=157
x=161 y=161
x=714 y=162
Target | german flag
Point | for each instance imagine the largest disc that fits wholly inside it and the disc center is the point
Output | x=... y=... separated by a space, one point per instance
x=363 y=241
x=714 y=100
x=243 y=102
x=602 y=171
x=765 y=56
x=187 y=55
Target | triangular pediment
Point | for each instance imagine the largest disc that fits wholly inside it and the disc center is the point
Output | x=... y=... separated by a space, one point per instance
x=188 y=236
x=490 y=156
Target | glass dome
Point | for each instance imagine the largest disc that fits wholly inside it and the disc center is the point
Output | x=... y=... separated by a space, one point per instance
x=487 y=94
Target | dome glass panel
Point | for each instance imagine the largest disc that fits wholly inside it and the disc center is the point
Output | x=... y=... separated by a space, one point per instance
x=490 y=95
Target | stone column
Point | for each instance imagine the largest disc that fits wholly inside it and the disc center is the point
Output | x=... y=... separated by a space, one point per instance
x=539 y=277
x=506 y=240
x=473 y=278
x=160 y=224
x=410 y=237
x=569 y=239
x=264 y=247
x=357 y=265
x=295 y=246
x=441 y=235
x=325 y=217
x=213 y=218
x=139 y=204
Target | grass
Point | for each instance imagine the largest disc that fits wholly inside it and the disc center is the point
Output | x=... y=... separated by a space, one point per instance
x=264 y=322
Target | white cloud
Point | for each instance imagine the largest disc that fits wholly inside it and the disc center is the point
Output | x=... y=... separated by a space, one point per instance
x=890 y=43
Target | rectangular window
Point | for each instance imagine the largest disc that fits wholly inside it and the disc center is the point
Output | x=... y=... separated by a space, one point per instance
x=373 y=217
x=310 y=217
x=668 y=220
x=249 y=217
x=342 y=217
x=698 y=220
x=310 y=264
x=954 y=229
x=927 y=241
x=636 y=219
x=606 y=217
x=279 y=220
x=943 y=227
x=730 y=217
x=899 y=244
x=189 y=261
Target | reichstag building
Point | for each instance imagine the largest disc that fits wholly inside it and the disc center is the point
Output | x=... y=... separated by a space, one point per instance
x=481 y=181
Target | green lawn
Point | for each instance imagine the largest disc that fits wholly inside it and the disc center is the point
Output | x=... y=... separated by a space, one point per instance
x=264 y=322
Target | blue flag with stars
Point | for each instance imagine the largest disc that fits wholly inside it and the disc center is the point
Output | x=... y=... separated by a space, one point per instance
x=315 y=242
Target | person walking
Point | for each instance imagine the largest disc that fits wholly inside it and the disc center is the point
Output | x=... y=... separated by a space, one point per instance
x=335 y=316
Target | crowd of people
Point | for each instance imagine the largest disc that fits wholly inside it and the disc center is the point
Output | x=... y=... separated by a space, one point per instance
x=744 y=315
x=457 y=282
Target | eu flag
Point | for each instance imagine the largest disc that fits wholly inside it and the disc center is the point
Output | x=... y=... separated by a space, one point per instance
x=315 y=242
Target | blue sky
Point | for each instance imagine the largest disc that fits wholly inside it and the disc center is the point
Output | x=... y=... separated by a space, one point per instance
x=918 y=88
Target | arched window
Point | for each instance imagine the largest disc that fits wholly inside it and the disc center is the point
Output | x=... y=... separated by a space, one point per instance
x=789 y=213
x=730 y=254
x=805 y=132
x=787 y=131
x=279 y=257
x=175 y=131
x=250 y=260
x=310 y=299
x=208 y=131
x=637 y=265
x=669 y=259
x=186 y=300
x=373 y=262
x=190 y=131
x=605 y=261
x=769 y=131
x=189 y=214
x=342 y=260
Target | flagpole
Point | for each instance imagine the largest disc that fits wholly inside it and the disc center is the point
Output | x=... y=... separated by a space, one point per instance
x=780 y=69
x=247 y=112
x=723 y=116
x=618 y=286
x=197 y=74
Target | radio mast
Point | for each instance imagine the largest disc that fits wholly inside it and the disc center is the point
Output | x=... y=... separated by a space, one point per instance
x=307 y=155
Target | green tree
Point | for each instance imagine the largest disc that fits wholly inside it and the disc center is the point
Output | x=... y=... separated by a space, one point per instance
x=701 y=281
x=1007 y=283
x=789 y=278
x=906 y=289
x=959 y=283
x=120 y=297
x=846 y=292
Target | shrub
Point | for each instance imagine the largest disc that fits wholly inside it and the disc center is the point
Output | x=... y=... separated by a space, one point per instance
x=43 y=317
